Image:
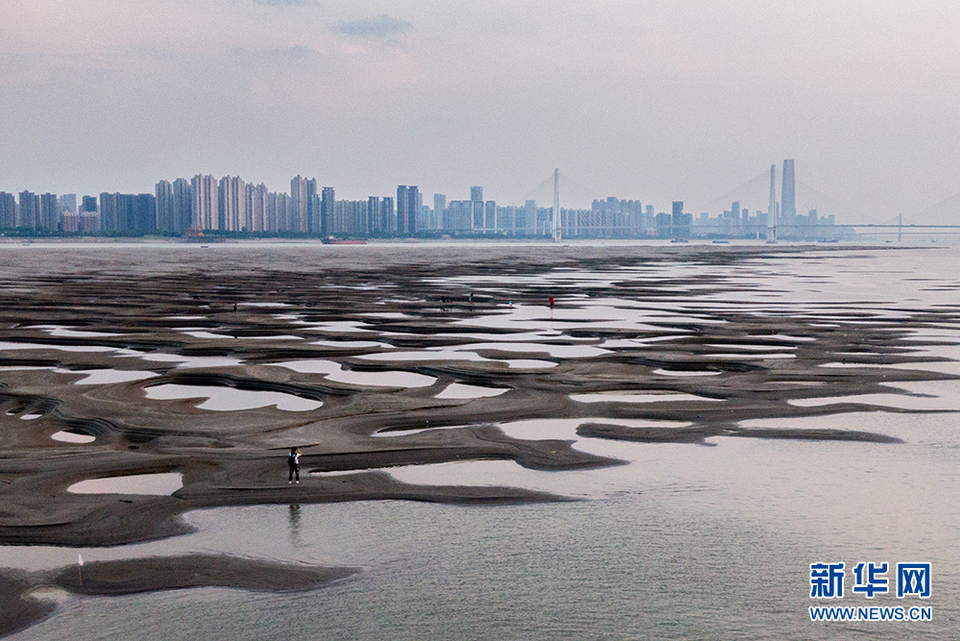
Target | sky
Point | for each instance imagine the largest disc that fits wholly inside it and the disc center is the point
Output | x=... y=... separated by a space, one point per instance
x=648 y=100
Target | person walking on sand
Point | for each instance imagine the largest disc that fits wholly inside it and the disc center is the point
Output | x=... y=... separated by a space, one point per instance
x=293 y=460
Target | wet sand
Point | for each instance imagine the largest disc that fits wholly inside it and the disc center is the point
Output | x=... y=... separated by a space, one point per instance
x=700 y=434
x=151 y=304
x=113 y=578
x=18 y=610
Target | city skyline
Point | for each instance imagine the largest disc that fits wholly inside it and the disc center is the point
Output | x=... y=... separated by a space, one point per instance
x=232 y=205
x=679 y=100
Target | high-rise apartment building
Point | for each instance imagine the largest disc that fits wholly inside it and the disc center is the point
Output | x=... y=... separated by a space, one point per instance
x=233 y=203
x=29 y=210
x=408 y=205
x=182 y=205
x=8 y=210
x=680 y=222
x=69 y=217
x=89 y=216
x=304 y=218
x=278 y=212
x=68 y=203
x=527 y=223
x=206 y=205
x=439 y=211
x=379 y=215
x=165 y=216
x=477 y=213
x=109 y=216
x=49 y=212
x=328 y=204
x=69 y=222
x=351 y=217
x=389 y=215
x=256 y=208
x=490 y=216
x=144 y=214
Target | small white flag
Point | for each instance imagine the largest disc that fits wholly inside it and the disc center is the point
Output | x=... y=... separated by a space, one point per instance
x=80 y=560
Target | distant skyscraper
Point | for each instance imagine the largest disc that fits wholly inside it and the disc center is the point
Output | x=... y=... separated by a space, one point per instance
x=390 y=214
x=70 y=219
x=256 y=208
x=144 y=214
x=29 y=210
x=476 y=207
x=182 y=205
x=278 y=218
x=68 y=203
x=302 y=191
x=328 y=206
x=374 y=214
x=788 y=200
x=49 y=212
x=8 y=210
x=408 y=203
x=676 y=219
x=165 y=218
x=529 y=223
x=233 y=203
x=89 y=216
x=206 y=203
x=108 y=213
x=476 y=198
x=664 y=224
x=439 y=207
x=490 y=216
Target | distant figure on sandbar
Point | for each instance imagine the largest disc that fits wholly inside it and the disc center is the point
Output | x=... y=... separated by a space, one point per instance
x=551 y=301
x=293 y=460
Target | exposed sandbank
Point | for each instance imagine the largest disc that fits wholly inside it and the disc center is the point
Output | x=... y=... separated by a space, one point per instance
x=344 y=303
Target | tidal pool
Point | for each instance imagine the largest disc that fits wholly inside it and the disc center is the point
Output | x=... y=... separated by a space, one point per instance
x=461 y=390
x=638 y=397
x=229 y=399
x=333 y=371
x=72 y=437
x=146 y=484
x=107 y=376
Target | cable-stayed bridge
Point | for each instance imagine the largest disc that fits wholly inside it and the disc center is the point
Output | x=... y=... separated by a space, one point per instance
x=570 y=191
x=753 y=194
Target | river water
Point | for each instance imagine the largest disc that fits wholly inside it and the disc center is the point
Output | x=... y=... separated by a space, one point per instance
x=686 y=541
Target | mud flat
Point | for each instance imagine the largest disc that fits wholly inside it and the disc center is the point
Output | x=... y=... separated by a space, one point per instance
x=700 y=434
x=189 y=318
x=19 y=610
x=113 y=578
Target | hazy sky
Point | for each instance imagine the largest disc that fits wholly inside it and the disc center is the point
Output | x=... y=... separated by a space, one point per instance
x=653 y=101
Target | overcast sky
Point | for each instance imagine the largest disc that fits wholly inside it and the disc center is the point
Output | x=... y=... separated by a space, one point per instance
x=655 y=101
